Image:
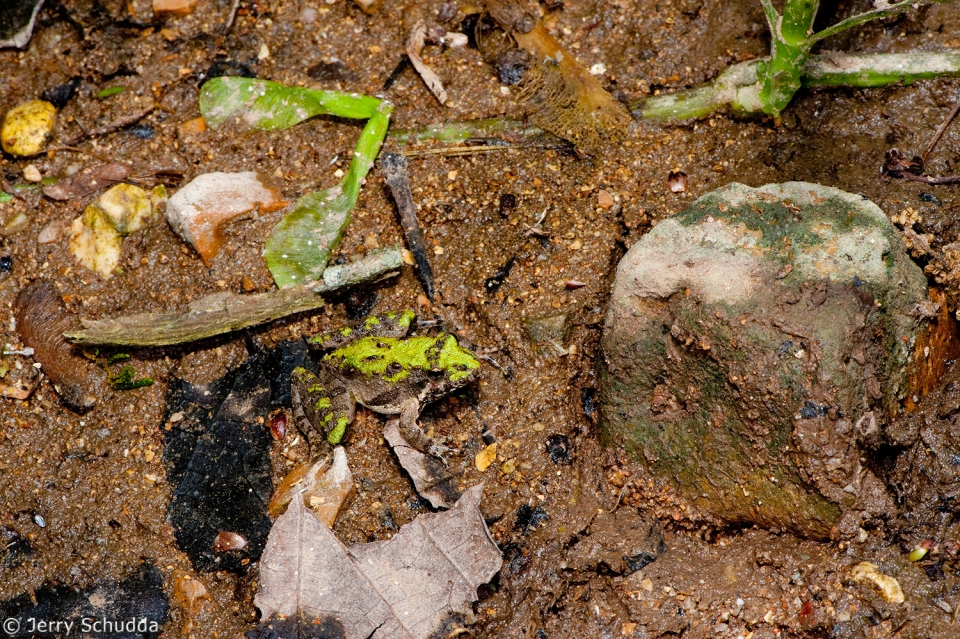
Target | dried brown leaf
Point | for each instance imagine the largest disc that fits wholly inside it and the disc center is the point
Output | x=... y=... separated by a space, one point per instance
x=430 y=78
x=431 y=479
x=410 y=587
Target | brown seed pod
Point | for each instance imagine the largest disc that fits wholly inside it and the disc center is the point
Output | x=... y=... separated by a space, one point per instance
x=42 y=318
x=227 y=540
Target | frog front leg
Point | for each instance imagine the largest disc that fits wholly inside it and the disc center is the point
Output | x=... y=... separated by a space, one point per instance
x=409 y=411
x=322 y=408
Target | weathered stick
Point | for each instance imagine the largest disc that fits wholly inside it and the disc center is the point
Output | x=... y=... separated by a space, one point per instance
x=226 y=312
x=394 y=167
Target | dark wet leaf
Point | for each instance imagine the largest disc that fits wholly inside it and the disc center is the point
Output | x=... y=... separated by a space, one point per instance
x=136 y=606
x=558 y=447
x=495 y=281
x=59 y=95
x=588 y=400
x=419 y=584
x=529 y=518
x=217 y=455
x=430 y=477
x=143 y=131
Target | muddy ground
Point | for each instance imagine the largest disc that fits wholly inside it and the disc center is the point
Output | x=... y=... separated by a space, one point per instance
x=98 y=481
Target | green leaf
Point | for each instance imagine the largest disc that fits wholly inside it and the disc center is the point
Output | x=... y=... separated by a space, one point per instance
x=5 y=197
x=106 y=93
x=300 y=246
x=272 y=106
x=126 y=379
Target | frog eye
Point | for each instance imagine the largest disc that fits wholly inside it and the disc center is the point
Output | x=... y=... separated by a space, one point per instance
x=435 y=373
x=394 y=368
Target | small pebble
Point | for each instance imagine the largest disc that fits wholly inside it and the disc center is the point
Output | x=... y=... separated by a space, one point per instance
x=174 y=7
x=485 y=457
x=226 y=541
x=677 y=181
x=264 y=52
x=31 y=173
x=6 y=263
x=248 y=284
x=604 y=200
x=308 y=15
x=27 y=126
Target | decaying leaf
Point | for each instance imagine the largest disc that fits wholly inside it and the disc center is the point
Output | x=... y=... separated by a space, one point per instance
x=560 y=95
x=430 y=78
x=88 y=181
x=869 y=573
x=431 y=479
x=416 y=585
x=217 y=452
x=325 y=486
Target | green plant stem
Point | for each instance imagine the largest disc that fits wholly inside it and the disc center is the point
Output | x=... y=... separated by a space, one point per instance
x=736 y=88
x=789 y=49
x=460 y=131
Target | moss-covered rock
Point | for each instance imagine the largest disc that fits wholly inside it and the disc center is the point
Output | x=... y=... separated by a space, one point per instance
x=751 y=341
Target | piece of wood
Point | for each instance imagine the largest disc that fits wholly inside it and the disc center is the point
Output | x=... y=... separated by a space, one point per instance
x=226 y=312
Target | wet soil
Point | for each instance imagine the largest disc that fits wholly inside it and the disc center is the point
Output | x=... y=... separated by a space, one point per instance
x=83 y=498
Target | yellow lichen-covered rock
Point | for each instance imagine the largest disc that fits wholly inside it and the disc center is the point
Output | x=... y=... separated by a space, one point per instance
x=95 y=242
x=26 y=127
x=129 y=207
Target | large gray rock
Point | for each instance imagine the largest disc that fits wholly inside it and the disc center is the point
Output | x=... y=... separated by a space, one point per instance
x=755 y=345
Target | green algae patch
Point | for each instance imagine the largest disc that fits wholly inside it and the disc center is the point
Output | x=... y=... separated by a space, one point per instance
x=746 y=338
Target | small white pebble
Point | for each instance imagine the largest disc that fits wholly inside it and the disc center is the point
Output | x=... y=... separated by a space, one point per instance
x=598 y=69
x=264 y=52
x=31 y=173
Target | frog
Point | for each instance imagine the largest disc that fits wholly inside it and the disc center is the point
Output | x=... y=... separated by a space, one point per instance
x=378 y=365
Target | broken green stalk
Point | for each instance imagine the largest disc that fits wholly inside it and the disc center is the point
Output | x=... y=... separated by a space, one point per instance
x=300 y=246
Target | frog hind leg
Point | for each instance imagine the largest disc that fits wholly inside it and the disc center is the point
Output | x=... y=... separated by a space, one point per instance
x=391 y=324
x=409 y=411
x=322 y=408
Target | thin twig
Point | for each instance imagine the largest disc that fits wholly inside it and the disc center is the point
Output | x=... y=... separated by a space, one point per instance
x=456 y=150
x=923 y=179
x=940 y=132
x=394 y=167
